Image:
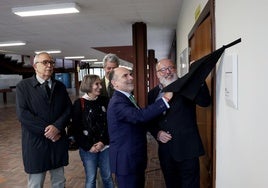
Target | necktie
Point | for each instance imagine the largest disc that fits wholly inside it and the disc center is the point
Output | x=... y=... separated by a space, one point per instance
x=132 y=99
x=47 y=88
x=109 y=90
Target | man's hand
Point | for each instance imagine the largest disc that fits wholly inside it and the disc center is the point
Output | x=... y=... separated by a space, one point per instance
x=52 y=133
x=167 y=96
x=56 y=138
x=163 y=136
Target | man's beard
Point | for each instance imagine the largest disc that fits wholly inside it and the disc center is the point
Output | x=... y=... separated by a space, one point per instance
x=168 y=80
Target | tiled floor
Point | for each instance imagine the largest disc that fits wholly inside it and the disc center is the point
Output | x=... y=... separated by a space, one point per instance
x=12 y=174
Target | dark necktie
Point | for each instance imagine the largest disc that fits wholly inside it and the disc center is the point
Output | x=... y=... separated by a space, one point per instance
x=109 y=90
x=132 y=99
x=48 y=90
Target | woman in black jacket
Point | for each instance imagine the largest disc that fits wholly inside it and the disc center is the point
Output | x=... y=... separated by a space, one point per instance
x=91 y=132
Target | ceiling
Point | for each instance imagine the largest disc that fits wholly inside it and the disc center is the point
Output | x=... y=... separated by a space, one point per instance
x=100 y=23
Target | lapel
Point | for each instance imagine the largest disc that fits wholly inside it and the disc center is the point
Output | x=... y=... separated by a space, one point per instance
x=122 y=97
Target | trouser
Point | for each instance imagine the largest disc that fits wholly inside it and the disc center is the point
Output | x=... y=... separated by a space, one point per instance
x=180 y=174
x=131 y=181
x=56 y=176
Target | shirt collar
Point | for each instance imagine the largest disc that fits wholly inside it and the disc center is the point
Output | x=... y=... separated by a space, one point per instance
x=160 y=86
x=41 y=81
x=125 y=93
x=87 y=97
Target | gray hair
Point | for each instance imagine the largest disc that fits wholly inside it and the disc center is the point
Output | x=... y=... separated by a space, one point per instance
x=112 y=58
x=36 y=57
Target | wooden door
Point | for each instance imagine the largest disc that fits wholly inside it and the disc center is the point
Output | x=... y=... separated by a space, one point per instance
x=200 y=44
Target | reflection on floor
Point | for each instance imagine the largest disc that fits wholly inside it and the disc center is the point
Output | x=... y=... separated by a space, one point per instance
x=12 y=174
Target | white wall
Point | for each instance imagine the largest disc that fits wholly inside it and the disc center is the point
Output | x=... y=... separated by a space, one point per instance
x=242 y=151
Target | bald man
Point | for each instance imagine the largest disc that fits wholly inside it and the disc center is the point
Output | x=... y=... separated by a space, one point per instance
x=127 y=130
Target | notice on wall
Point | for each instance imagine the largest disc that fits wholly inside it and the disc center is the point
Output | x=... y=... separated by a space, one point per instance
x=230 y=73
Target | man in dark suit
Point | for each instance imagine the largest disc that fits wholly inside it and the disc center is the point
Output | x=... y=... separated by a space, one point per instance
x=110 y=62
x=127 y=130
x=176 y=131
x=43 y=109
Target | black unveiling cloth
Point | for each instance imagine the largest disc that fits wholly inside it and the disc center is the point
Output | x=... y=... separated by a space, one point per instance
x=189 y=84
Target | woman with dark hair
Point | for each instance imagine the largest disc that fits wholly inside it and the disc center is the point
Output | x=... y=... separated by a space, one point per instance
x=91 y=132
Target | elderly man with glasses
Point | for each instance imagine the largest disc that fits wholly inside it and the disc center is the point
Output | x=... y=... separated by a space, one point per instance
x=176 y=131
x=43 y=109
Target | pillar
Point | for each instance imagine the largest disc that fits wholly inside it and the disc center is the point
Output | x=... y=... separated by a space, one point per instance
x=139 y=31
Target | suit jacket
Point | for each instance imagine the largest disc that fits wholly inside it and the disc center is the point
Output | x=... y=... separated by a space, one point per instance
x=104 y=91
x=127 y=131
x=180 y=121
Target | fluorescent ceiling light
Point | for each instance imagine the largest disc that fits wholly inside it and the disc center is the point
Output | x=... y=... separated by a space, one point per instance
x=98 y=62
x=12 y=43
x=40 y=10
x=89 y=60
x=48 y=51
x=74 y=57
x=5 y=51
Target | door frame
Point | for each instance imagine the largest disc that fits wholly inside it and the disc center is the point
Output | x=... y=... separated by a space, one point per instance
x=209 y=9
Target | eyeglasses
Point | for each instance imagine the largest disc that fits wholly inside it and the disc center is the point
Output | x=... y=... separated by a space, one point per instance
x=164 y=69
x=46 y=62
